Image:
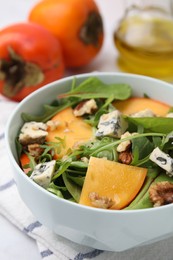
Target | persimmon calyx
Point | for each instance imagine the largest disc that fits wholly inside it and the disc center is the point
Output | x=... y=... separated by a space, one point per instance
x=92 y=29
x=17 y=74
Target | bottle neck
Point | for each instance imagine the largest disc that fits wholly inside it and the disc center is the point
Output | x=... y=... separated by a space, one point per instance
x=164 y=5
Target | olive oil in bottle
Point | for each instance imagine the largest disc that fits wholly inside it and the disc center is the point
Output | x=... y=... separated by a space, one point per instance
x=145 y=44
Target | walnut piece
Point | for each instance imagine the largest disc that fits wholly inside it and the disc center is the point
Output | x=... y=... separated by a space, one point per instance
x=100 y=201
x=35 y=150
x=85 y=107
x=125 y=145
x=125 y=157
x=161 y=193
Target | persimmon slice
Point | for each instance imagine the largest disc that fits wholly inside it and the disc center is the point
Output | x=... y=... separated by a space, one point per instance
x=136 y=104
x=74 y=130
x=113 y=183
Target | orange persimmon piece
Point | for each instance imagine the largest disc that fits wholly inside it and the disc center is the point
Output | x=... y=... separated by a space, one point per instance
x=136 y=104
x=24 y=160
x=74 y=130
x=117 y=182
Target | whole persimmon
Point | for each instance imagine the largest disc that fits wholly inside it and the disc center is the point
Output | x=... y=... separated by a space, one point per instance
x=30 y=57
x=76 y=23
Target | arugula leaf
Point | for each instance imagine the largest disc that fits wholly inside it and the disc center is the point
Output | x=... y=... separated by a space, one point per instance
x=103 y=147
x=78 y=180
x=90 y=88
x=166 y=139
x=153 y=124
x=65 y=164
x=73 y=188
x=94 y=88
x=53 y=147
x=58 y=193
x=151 y=175
x=48 y=112
x=77 y=168
x=144 y=201
x=145 y=147
x=157 y=141
x=56 y=189
x=135 y=156
x=19 y=147
x=79 y=164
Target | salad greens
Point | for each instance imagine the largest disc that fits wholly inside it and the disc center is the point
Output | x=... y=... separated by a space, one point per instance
x=94 y=88
x=91 y=88
x=153 y=124
x=70 y=171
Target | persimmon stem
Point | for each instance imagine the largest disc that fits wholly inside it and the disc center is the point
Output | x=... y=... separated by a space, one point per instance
x=92 y=29
x=17 y=74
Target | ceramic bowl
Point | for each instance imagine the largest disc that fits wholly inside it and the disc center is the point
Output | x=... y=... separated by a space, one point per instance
x=111 y=230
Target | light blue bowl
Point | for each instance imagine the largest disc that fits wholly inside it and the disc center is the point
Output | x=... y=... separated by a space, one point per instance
x=102 y=229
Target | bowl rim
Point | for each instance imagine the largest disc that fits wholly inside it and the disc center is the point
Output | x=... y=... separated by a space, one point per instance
x=47 y=193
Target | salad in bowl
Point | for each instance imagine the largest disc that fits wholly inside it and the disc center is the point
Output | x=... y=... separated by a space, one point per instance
x=92 y=158
x=98 y=146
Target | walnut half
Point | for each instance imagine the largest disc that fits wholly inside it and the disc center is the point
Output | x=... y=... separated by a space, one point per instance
x=161 y=193
x=125 y=157
x=85 y=107
x=100 y=201
x=35 y=150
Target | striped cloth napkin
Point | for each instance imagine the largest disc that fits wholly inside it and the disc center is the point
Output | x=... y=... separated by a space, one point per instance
x=50 y=245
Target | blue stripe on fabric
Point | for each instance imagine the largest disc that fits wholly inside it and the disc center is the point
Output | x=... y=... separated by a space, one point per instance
x=32 y=226
x=89 y=255
x=46 y=253
x=7 y=185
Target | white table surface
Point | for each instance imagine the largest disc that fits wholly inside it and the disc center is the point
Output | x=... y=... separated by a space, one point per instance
x=14 y=245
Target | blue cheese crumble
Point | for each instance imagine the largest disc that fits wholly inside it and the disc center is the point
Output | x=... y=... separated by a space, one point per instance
x=43 y=173
x=111 y=124
x=33 y=132
x=144 y=113
x=163 y=160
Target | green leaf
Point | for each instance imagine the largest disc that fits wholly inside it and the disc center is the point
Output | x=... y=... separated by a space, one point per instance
x=135 y=156
x=145 y=147
x=145 y=201
x=53 y=147
x=102 y=147
x=57 y=192
x=94 y=88
x=72 y=187
x=167 y=139
x=141 y=194
x=78 y=180
x=19 y=147
x=157 y=141
x=153 y=124
x=79 y=164
x=48 y=112
x=63 y=167
x=90 y=88
x=77 y=168
x=151 y=175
